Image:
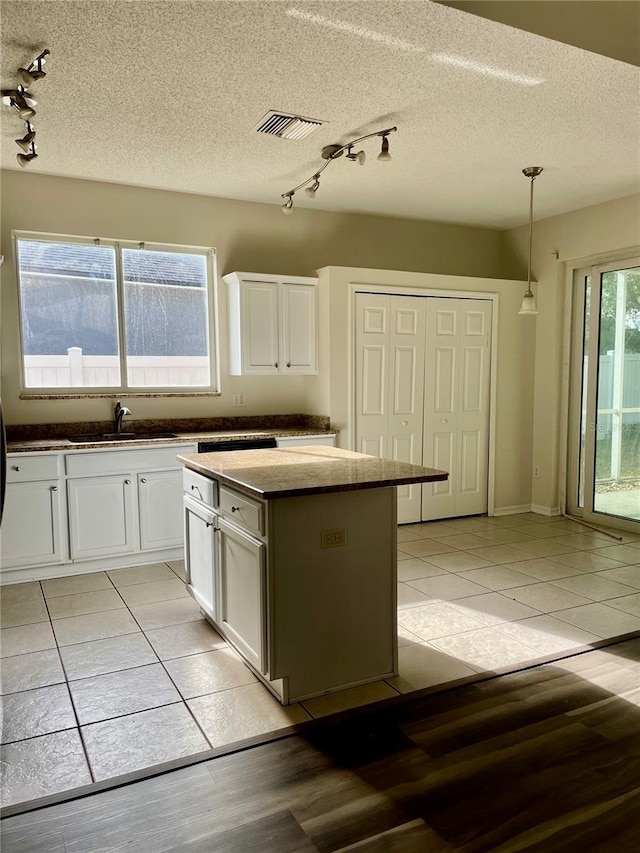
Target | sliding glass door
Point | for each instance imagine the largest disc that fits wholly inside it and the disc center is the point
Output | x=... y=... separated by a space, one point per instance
x=604 y=465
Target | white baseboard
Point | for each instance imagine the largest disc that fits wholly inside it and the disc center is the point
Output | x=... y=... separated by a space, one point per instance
x=546 y=510
x=63 y=570
x=512 y=510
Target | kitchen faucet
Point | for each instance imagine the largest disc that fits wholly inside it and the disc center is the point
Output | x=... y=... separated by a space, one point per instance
x=120 y=412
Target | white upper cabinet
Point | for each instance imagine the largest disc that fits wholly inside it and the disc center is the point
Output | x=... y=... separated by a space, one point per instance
x=272 y=324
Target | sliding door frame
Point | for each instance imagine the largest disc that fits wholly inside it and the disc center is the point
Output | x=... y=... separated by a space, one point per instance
x=572 y=384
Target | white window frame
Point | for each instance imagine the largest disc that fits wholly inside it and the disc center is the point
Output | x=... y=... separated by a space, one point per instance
x=213 y=389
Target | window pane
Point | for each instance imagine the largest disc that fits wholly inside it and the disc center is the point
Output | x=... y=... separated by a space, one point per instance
x=68 y=314
x=165 y=298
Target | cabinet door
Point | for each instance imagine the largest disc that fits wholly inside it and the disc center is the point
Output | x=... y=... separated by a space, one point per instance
x=32 y=524
x=298 y=346
x=160 y=502
x=102 y=516
x=200 y=555
x=260 y=328
x=242 y=593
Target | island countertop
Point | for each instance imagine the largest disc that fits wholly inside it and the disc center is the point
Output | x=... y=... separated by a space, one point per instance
x=307 y=470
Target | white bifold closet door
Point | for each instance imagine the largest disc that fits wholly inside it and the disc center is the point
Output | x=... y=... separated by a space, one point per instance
x=390 y=341
x=422 y=395
x=456 y=406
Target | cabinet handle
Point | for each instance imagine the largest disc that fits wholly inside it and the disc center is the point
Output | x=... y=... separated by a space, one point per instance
x=235 y=509
x=54 y=488
x=276 y=364
x=288 y=364
x=127 y=482
x=143 y=479
x=17 y=467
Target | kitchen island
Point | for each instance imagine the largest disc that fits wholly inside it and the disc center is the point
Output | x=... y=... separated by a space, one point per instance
x=291 y=555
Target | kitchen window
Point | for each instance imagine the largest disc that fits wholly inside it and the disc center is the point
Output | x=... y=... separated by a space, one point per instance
x=107 y=316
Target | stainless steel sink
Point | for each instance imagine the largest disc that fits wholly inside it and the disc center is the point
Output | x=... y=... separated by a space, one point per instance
x=118 y=436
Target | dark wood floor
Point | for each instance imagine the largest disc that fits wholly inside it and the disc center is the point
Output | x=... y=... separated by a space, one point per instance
x=545 y=760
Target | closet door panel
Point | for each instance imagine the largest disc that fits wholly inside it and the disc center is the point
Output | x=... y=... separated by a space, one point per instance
x=406 y=394
x=372 y=369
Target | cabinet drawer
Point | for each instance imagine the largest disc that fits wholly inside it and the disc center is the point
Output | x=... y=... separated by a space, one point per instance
x=113 y=461
x=201 y=488
x=22 y=467
x=244 y=511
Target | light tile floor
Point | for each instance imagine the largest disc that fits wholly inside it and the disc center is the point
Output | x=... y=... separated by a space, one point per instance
x=115 y=672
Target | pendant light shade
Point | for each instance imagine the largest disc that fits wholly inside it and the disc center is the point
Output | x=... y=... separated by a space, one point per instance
x=528 y=300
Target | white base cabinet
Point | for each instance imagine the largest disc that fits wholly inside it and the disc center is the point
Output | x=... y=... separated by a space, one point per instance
x=32 y=527
x=242 y=594
x=200 y=555
x=102 y=516
x=81 y=511
x=308 y=618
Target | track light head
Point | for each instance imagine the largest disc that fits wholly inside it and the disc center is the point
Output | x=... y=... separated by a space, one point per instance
x=311 y=191
x=384 y=151
x=26 y=141
x=356 y=156
x=25 y=159
x=25 y=77
x=24 y=110
x=287 y=207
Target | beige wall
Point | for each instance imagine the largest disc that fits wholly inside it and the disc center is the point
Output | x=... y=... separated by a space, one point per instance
x=248 y=237
x=587 y=233
x=514 y=365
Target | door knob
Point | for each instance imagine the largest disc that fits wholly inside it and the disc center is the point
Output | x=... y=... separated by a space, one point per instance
x=405 y=423
x=444 y=421
x=54 y=488
x=127 y=482
x=143 y=479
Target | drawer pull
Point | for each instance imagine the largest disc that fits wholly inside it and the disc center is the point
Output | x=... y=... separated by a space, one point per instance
x=16 y=467
x=143 y=479
x=288 y=364
x=235 y=509
x=54 y=488
x=127 y=482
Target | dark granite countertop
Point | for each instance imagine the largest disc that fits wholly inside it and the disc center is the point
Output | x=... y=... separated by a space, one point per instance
x=45 y=437
x=290 y=472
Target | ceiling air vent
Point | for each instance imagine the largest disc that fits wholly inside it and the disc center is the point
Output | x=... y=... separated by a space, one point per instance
x=287 y=126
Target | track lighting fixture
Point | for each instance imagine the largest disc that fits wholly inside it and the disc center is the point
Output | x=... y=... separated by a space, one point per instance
x=23 y=101
x=311 y=191
x=357 y=157
x=332 y=152
x=287 y=207
x=528 y=300
x=25 y=142
x=384 y=151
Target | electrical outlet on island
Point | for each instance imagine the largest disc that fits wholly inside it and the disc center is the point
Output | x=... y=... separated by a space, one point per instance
x=239 y=399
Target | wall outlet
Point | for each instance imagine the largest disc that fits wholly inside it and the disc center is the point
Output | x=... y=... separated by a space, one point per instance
x=333 y=538
x=239 y=399
x=536 y=471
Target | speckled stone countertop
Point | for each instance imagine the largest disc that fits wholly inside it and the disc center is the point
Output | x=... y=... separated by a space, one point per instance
x=290 y=472
x=32 y=438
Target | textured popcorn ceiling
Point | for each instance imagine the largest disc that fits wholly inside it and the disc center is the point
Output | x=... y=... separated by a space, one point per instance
x=168 y=94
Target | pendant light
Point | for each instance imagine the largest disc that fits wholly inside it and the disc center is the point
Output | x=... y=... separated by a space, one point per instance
x=528 y=300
